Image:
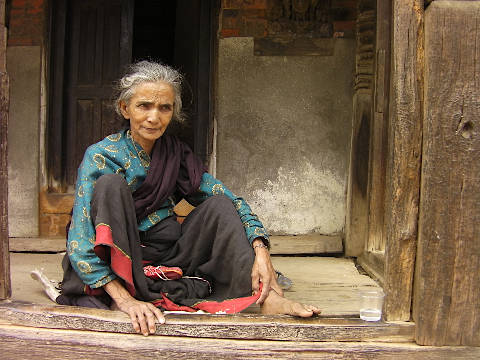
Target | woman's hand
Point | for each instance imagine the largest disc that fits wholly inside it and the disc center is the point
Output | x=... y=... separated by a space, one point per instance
x=263 y=271
x=142 y=314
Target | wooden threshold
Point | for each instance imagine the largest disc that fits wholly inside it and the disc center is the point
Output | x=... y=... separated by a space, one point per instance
x=37 y=244
x=20 y=342
x=306 y=244
x=280 y=245
x=240 y=326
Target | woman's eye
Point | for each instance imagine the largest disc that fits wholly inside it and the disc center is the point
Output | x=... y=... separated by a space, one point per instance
x=166 y=108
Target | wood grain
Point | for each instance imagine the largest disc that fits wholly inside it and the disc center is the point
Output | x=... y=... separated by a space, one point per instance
x=240 y=326
x=34 y=343
x=404 y=156
x=41 y=244
x=5 y=287
x=306 y=244
x=447 y=285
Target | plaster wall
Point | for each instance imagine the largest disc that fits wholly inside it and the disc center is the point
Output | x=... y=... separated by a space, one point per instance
x=284 y=128
x=24 y=69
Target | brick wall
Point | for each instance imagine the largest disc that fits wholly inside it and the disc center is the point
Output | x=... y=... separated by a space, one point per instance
x=26 y=25
x=250 y=18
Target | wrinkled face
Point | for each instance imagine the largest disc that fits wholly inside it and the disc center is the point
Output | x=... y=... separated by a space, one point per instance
x=149 y=110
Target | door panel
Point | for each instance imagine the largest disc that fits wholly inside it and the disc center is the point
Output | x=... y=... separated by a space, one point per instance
x=97 y=52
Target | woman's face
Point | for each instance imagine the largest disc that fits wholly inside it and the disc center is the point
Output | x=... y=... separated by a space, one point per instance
x=149 y=110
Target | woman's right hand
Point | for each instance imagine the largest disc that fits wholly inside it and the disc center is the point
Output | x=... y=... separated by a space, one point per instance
x=143 y=315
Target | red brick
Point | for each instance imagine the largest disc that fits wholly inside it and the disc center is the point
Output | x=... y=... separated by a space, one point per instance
x=53 y=224
x=255 y=4
x=253 y=27
x=344 y=4
x=254 y=13
x=339 y=26
x=230 y=19
x=232 y=4
x=229 y=33
x=27 y=19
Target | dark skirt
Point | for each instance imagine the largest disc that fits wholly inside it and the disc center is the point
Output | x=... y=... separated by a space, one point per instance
x=210 y=247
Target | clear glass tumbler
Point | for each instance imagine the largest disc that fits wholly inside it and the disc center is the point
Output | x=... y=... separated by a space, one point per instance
x=371 y=303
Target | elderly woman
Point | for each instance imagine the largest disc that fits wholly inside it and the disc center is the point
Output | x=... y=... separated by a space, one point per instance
x=125 y=249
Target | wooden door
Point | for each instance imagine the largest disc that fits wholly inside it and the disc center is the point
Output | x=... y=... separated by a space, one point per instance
x=373 y=256
x=92 y=43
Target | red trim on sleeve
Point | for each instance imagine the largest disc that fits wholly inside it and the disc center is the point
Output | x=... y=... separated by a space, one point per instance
x=120 y=262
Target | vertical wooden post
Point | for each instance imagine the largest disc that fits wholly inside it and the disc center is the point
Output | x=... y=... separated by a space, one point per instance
x=5 y=289
x=378 y=136
x=404 y=150
x=447 y=281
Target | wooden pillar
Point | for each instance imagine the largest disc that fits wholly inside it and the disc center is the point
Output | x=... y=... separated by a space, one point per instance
x=403 y=158
x=5 y=289
x=447 y=280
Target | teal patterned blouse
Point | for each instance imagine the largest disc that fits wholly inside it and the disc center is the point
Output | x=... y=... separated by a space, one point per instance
x=117 y=154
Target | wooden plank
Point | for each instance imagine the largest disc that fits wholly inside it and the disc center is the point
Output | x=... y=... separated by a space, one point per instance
x=306 y=244
x=240 y=326
x=331 y=284
x=404 y=151
x=357 y=205
x=34 y=343
x=379 y=135
x=5 y=286
x=54 y=244
x=374 y=264
x=447 y=291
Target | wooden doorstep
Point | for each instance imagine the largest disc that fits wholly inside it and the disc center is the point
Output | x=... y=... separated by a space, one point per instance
x=306 y=244
x=38 y=244
x=280 y=245
x=240 y=326
x=35 y=343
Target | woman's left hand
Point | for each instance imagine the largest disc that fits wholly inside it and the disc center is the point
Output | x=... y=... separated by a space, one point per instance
x=263 y=272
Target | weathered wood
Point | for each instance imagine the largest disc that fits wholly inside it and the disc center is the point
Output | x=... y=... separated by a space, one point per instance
x=404 y=151
x=34 y=343
x=54 y=244
x=447 y=285
x=374 y=264
x=356 y=228
x=306 y=244
x=5 y=287
x=240 y=326
x=331 y=284
x=379 y=135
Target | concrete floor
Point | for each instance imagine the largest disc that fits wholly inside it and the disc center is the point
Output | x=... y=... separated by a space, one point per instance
x=329 y=283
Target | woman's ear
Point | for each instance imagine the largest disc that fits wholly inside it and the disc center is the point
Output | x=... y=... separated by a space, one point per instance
x=123 y=109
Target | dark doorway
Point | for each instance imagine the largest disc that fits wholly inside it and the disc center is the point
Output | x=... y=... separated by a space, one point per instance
x=91 y=43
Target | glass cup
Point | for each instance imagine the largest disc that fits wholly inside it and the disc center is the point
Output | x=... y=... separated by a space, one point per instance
x=371 y=303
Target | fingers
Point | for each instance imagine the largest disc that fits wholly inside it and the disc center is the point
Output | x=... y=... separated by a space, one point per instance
x=144 y=316
x=158 y=314
x=133 y=319
x=255 y=281
x=277 y=288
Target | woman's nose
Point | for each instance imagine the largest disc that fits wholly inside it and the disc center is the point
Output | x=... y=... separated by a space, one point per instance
x=154 y=116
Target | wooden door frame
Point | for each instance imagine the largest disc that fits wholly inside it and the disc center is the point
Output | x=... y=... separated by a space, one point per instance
x=5 y=286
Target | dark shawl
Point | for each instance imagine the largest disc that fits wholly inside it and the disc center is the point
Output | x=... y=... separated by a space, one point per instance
x=173 y=167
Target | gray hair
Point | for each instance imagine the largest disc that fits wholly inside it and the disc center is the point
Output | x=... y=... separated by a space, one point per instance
x=149 y=72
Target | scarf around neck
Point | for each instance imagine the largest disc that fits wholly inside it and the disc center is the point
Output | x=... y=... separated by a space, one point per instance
x=173 y=167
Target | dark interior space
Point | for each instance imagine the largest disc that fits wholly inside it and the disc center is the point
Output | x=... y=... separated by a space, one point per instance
x=154 y=30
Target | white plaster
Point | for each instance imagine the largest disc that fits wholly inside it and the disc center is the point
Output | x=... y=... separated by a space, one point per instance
x=306 y=197
x=284 y=130
x=24 y=69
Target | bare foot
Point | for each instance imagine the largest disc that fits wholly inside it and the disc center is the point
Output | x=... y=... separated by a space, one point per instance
x=276 y=304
